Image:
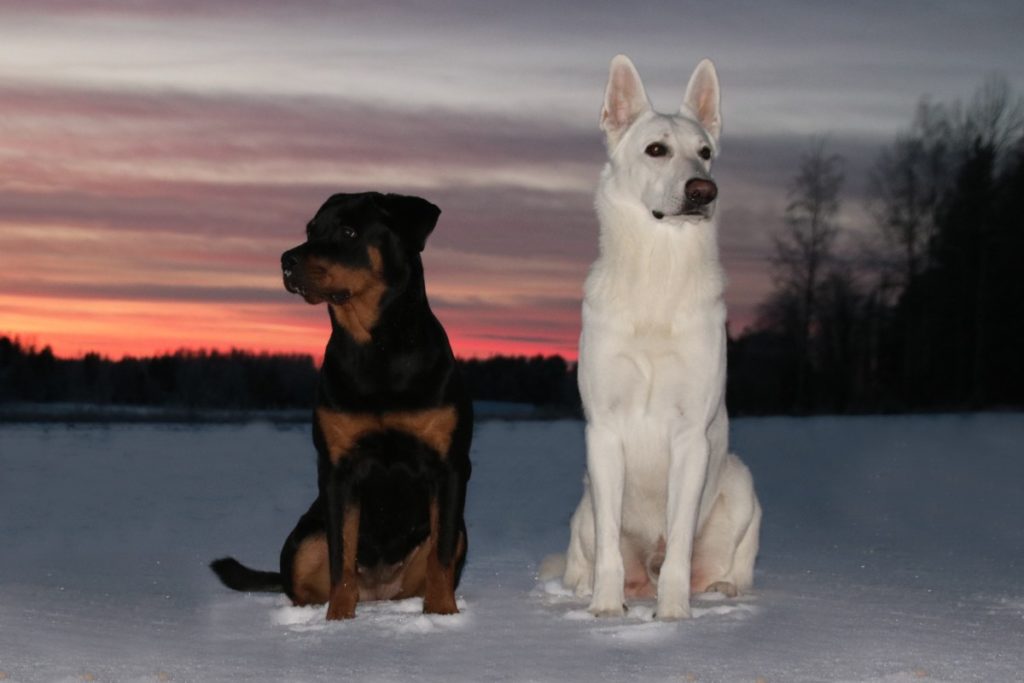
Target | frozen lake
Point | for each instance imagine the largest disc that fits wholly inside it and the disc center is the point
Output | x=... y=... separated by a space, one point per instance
x=892 y=550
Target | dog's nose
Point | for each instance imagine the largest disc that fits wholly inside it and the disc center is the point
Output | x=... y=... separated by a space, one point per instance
x=289 y=260
x=700 y=191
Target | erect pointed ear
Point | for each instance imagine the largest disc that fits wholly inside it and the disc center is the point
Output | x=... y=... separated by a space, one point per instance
x=704 y=99
x=411 y=218
x=624 y=99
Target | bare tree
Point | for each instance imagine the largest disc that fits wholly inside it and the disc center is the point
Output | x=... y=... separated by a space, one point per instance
x=804 y=249
x=906 y=185
x=911 y=178
x=993 y=119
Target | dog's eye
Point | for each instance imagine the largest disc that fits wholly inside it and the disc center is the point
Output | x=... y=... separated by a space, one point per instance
x=348 y=232
x=656 y=149
x=705 y=152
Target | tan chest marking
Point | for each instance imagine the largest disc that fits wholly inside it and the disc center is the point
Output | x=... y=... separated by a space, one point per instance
x=433 y=426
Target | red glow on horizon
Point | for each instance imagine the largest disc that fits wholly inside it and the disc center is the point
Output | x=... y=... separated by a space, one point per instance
x=74 y=346
x=119 y=329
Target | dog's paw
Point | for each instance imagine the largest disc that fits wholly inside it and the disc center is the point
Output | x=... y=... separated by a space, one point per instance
x=608 y=599
x=338 y=613
x=607 y=606
x=727 y=589
x=444 y=605
x=672 y=610
x=611 y=611
x=342 y=605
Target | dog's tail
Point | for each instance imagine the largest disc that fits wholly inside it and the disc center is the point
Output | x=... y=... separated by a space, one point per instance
x=237 y=576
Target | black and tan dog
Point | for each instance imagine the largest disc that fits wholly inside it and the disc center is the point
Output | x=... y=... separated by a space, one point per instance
x=392 y=424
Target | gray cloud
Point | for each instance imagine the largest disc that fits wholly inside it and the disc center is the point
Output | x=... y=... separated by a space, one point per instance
x=146 y=292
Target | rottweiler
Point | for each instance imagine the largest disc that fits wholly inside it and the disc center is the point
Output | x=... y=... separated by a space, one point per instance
x=392 y=424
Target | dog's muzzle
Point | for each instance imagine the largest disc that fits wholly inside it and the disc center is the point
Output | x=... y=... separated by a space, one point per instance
x=291 y=274
x=296 y=280
x=697 y=197
x=289 y=270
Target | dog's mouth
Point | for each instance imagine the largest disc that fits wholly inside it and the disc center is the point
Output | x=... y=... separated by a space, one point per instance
x=688 y=211
x=294 y=285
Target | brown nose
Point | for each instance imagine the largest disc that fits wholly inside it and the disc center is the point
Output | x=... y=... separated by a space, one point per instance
x=700 y=191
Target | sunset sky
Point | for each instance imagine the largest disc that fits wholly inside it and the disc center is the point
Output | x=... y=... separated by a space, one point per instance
x=157 y=157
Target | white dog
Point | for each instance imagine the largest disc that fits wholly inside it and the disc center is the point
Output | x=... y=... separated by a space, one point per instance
x=666 y=508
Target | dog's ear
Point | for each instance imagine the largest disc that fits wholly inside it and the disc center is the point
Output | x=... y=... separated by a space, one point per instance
x=411 y=218
x=624 y=100
x=703 y=98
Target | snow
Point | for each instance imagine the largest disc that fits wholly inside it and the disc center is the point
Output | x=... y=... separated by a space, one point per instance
x=892 y=552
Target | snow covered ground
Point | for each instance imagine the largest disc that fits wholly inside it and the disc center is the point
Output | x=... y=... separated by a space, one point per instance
x=892 y=551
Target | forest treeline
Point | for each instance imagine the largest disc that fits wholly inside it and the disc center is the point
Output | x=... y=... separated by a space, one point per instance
x=240 y=380
x=920 y=308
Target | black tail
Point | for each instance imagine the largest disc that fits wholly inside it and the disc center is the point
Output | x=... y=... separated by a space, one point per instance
x=237 y=576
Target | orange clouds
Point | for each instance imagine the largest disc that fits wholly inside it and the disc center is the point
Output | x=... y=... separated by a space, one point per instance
x=136 y=222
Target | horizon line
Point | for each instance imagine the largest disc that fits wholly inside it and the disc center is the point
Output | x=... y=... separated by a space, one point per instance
x=34 y=347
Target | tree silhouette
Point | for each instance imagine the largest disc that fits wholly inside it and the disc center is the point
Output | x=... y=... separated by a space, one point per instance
x=804 y=250
x=931 y=317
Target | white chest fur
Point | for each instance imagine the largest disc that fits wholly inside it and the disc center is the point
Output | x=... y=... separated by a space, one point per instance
x=652 y=312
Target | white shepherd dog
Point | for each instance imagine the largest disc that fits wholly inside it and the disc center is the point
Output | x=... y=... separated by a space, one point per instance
x=666 y=508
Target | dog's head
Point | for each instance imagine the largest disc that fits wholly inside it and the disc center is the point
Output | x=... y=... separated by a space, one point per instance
x=361 y=250
x=663 y=160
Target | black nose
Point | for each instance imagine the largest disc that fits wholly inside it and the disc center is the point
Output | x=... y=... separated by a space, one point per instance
x=289 y=260
x=700 y=191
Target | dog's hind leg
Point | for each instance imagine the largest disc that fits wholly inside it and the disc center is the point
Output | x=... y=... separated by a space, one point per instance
x=579 y=559
x=725 y=548
x=310 y=576
x=746 y=552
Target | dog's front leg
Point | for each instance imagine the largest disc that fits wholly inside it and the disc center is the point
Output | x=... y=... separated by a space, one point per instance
x=688 y=467
x=445 y=513
x=342 y=545
x=606 y=467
